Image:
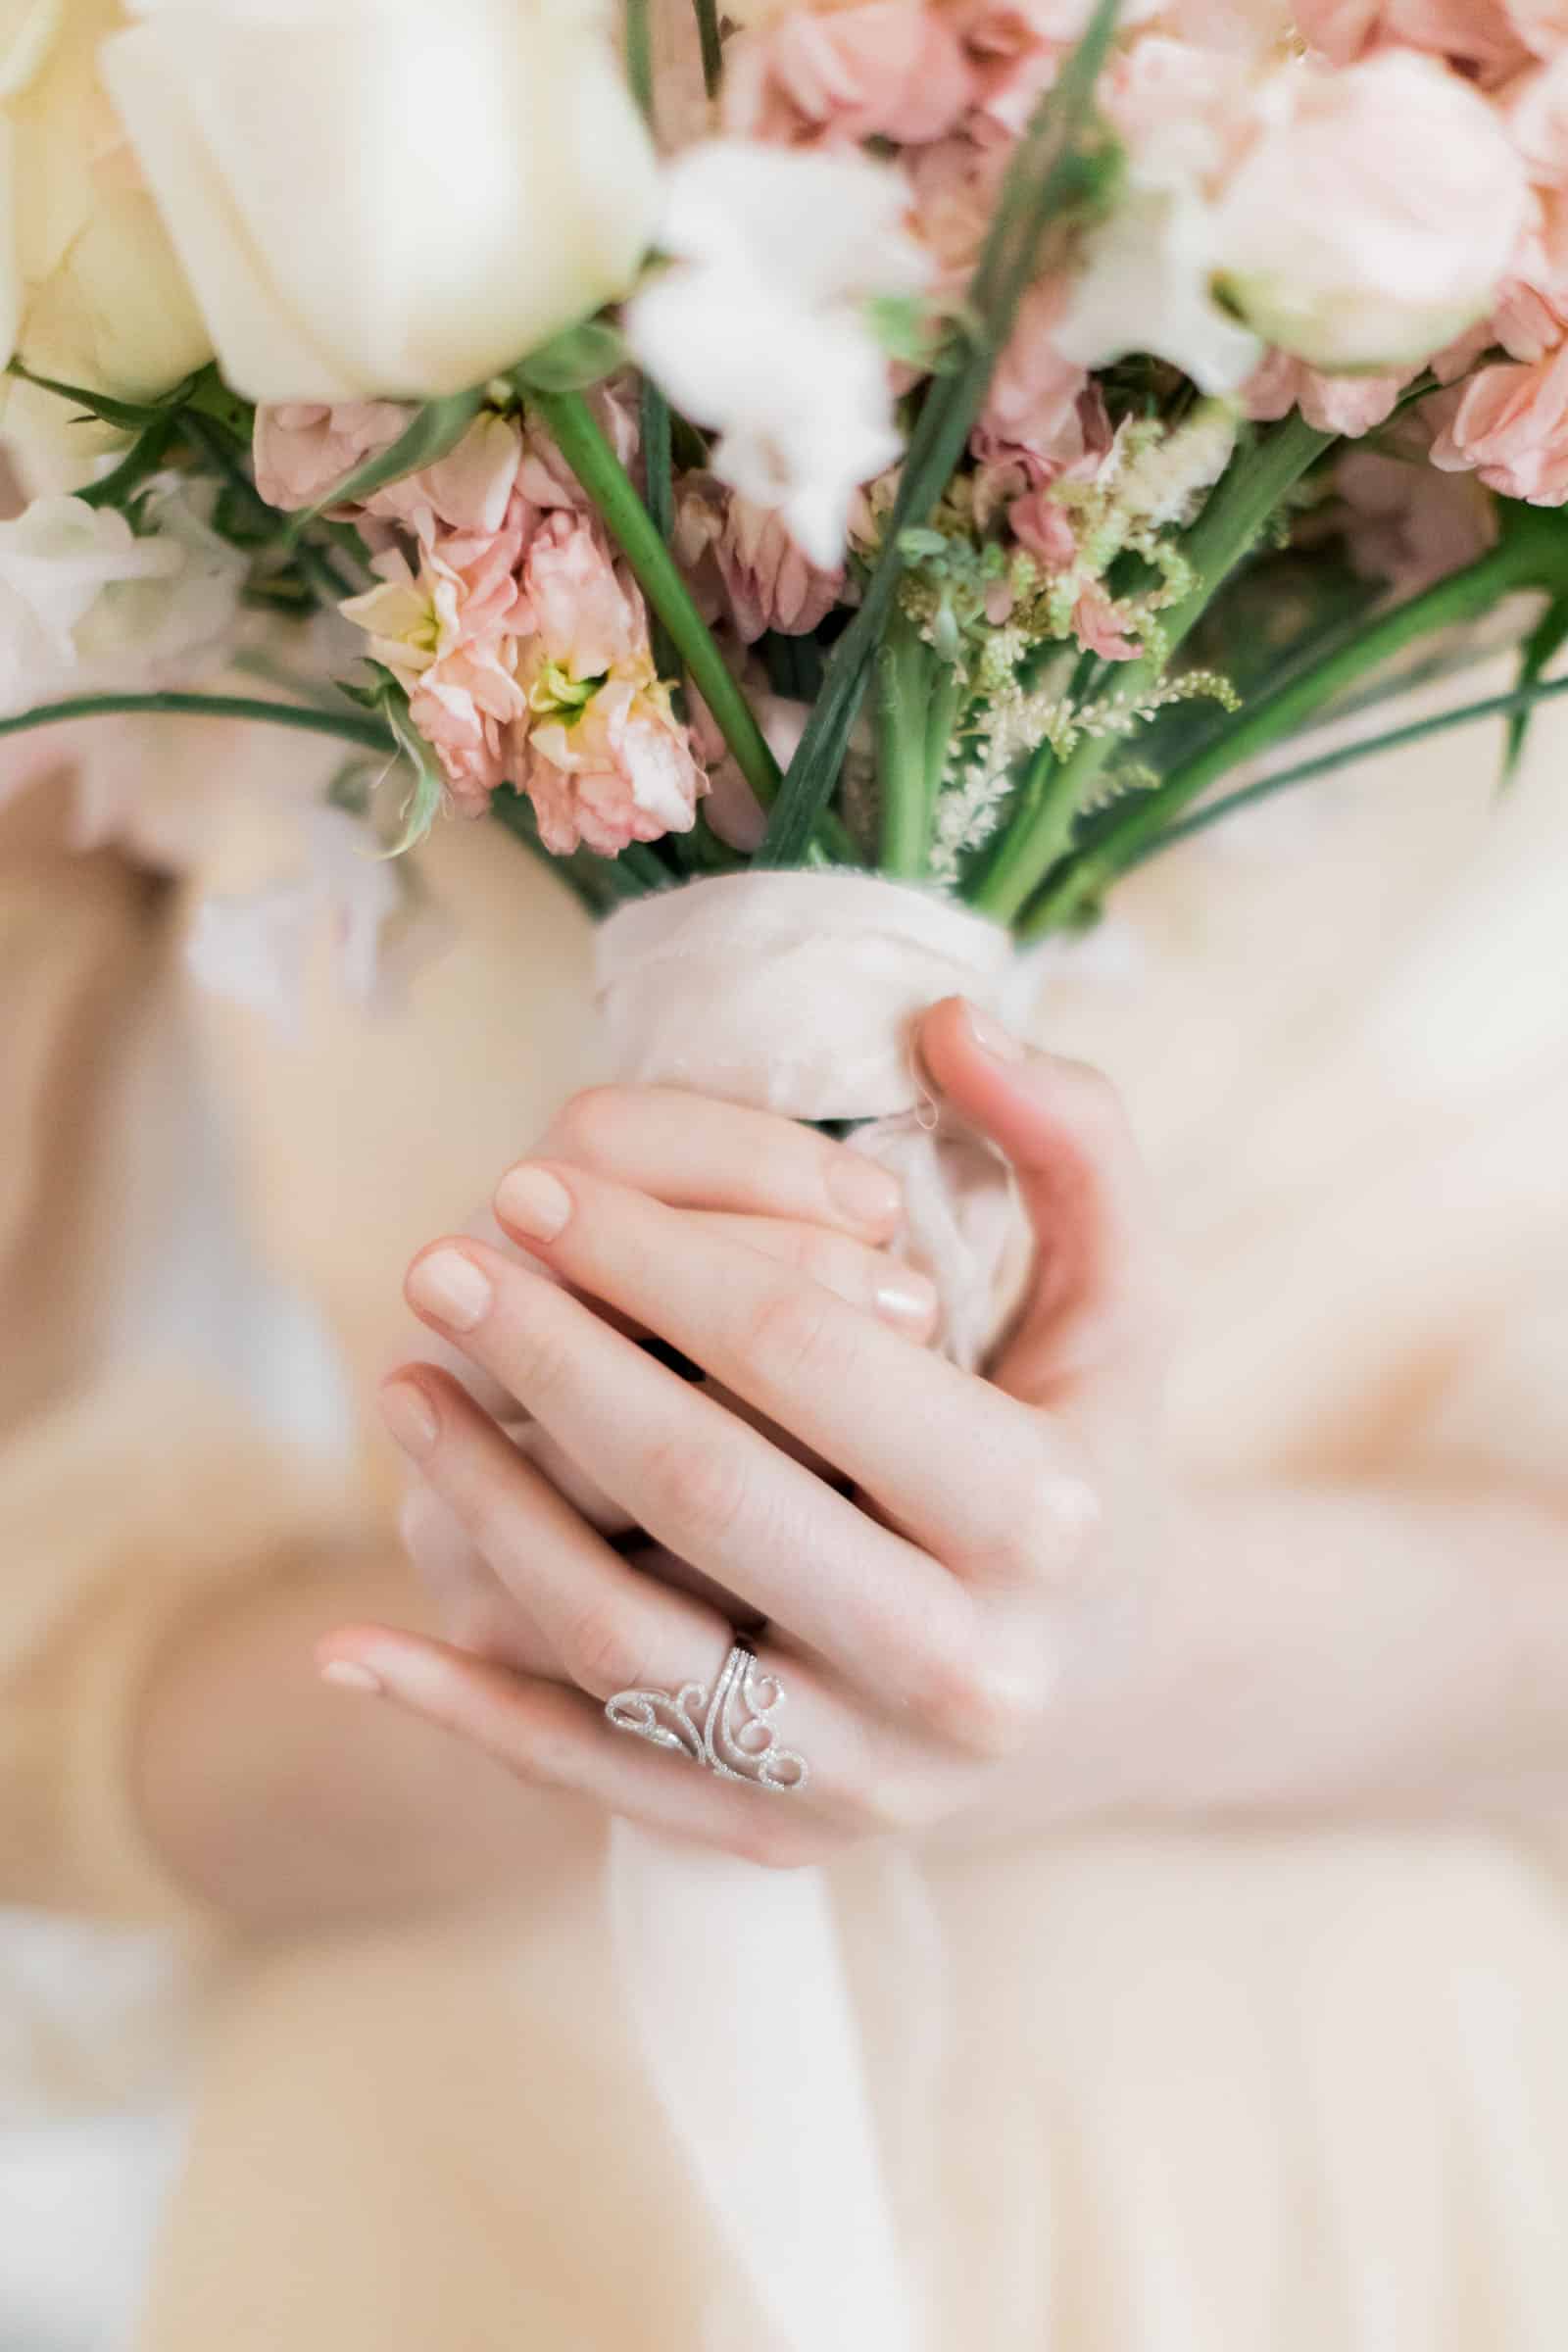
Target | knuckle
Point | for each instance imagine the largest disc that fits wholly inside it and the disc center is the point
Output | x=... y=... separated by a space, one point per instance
x=588 y=1126
x=985 y=1707
x=696 y=1489
x=790 y=1332
x=893 y=1802
x=601 y=1652
x=769 y=1838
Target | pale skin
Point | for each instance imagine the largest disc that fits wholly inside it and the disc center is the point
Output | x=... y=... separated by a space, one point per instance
x=997 y=1610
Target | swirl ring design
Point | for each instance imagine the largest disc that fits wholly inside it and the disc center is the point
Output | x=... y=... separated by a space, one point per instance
x=728 y=1730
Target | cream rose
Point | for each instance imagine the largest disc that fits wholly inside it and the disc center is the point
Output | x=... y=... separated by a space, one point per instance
x=1375 y=215
x=89 y=287
x=385 y=197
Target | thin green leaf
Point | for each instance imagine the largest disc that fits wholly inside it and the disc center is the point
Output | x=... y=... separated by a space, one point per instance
x=431 y=434
x=640 y=58
x=572 y=361
x=1544 y=642
x=141 y=460
x=1060 y=173
x=126 y=415
x=427 y=792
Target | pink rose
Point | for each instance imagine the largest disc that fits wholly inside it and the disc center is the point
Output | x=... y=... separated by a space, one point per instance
x=760 y=579
x=303 y=449
x=1509 y=423
x=886 y=70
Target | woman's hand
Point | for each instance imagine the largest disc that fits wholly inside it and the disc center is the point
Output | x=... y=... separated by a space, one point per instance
x=917 y=1624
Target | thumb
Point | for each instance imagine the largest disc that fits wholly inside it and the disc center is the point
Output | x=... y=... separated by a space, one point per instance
x=1088 y=1337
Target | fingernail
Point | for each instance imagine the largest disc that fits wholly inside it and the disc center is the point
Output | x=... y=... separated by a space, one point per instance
x=409 y=1415
x=863 y=1191
x=345 y=1675
x=451 y=1286
x=907 y=1298
x=990 y=1036
x=532 y=1202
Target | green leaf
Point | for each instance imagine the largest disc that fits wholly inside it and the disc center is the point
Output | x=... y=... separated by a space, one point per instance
x=126 y=415
x=582 y=356
x=431 y=434
x=142 y=460
x=427 y=792
x=1544 y=642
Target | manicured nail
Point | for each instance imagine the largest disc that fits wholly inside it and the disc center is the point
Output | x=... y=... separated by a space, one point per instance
x=863 y=1191
x=451 y=1286
x=990 y=1036
x=409 y=1415
x=907 y=1298
x=534 y=1202
x=346 y=1675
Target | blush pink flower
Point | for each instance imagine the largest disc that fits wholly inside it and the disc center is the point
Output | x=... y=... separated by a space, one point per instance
x=302 y=450
x=621 y=771
x=1408 y=526
x=886 y=70
x=1016 y=49
x=544 y=476
x=1098 y=627
x=469 y=489
x=600 y=753
x=744 y=565
x=1351 y=405
x=1032 y=409
x=954 y=188
x=1040 y=525
x=1479 y=34
x=449 y=632
x=1509 y=425
x=1541 y=24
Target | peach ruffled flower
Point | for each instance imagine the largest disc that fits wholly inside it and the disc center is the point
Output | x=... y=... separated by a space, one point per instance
x=1482 y=35
x=469 y=489
x=1408 y=526
x=1351 y=405
x=1509 y=423
x=449 y=633
x=887 y=69
x=545 y=477
x=602 y=756
x=745 y=567
x=301 y=450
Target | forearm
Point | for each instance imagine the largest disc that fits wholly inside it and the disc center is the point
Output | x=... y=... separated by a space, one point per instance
x=280 y=1803
x=1316 y=1653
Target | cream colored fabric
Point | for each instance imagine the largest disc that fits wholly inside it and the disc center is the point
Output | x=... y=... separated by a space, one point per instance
x=1196 y=2092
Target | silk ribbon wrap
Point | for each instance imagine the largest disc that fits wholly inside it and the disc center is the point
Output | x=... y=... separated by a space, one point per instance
x=797 y=993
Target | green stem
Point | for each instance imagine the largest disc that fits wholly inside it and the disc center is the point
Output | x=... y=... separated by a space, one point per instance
x=1464 y=596
x=904 y=701
x=605 y=479
x=1396 y=739
x=640 y=57
x=346 y=725
x=713 y=51
x=940 y=714
x=1238 y=508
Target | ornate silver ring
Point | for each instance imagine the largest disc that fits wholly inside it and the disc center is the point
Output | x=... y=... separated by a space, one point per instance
x=728 y=1730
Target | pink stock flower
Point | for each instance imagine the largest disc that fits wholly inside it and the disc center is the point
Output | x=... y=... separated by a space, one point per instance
x=1351 y=405
x=1408 y=526
x=584 y=618
x=1099 y=627
x=744 y=564
x=544 y=476
x=622 y=770
x=469 y=489
x=1541 y=24
x=303 y=449
x=602 y=756
x=1033 y=409
x=886 y=70
x=954 y=189
x=1041 y=525
x=1478 y=34
x=1509 y=423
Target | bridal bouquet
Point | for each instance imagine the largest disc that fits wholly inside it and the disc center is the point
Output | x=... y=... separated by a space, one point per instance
x=942 y=438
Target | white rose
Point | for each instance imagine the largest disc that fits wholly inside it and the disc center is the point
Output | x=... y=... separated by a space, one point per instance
x=89 y=287
x=86 y=605
x=386 y=197
x=1376 y=215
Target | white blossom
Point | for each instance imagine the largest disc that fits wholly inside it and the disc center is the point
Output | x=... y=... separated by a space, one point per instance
x=760 y=329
